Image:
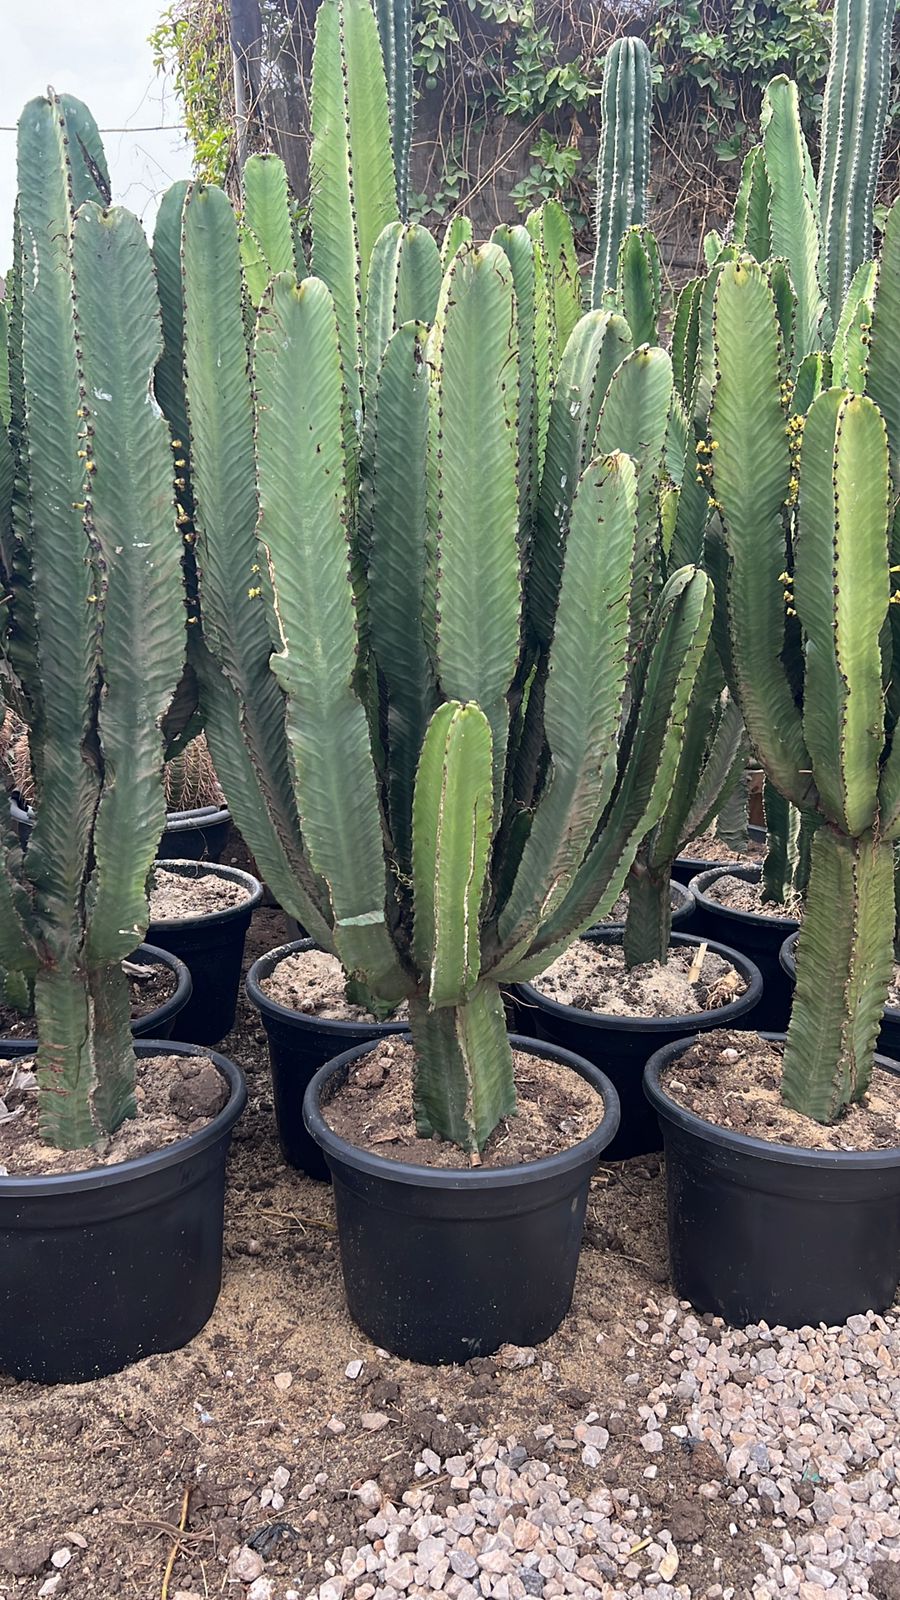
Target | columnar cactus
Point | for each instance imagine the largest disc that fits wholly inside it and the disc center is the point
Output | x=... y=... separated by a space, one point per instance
x=445 y=767
x=802 y=560
x=395 y=29
x=93 y=637
x=623 y=159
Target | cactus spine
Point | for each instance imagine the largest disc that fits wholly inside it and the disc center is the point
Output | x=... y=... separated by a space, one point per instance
x=93 y=656
x=417 y=773
x=623 y=159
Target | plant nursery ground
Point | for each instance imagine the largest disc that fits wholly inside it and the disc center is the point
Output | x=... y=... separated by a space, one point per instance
x=642 y=1451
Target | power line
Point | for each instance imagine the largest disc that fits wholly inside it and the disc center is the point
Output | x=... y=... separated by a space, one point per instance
x=158 y=127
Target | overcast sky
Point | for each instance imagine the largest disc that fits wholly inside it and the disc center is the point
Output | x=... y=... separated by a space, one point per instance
x=97 y=50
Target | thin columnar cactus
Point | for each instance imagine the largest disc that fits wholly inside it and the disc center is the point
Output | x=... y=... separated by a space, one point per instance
x=395 y=30
x=802 y=561
x=853 y=125
x=623 y=159
x=452 y=824
x=94 y=639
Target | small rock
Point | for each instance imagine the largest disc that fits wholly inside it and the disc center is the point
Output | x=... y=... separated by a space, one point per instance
x=50 y=1586
x=202 y=1095
x=511 y=1356
x=280 y=1478
x=353 y=1369
x=374 y=1421
x=370 y=1495
x=283 y=1380
x=669 y=1564
x=246 y=1564
x=652 y=1442
x=532 y=1582
x=23 y=1560
x=261 y=1589
x=61 y=1557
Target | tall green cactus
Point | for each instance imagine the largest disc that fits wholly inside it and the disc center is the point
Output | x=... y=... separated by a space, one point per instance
x=853 y=126
x=392 y=815
x=623 y=159
x=94 y=645
x=395 y=30
x=803 y=561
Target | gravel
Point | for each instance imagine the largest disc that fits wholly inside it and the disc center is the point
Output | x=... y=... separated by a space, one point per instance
x=794 y=1432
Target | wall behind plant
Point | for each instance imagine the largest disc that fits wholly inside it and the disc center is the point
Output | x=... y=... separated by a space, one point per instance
x=508 y=98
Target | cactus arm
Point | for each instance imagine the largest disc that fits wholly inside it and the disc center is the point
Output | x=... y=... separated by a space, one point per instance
x=582 y=703
x=169 y=379
x=726 y=760
x=680 y=630
x=842 y=590
x=853 y=126
x=303 y=532
x=752 y=230
x=246 y=708
x=850 y=351
x=599 y=344
x=139 y=554
x=459 y=232
x=404 y=283
x=517 y=247
x=623 y=157
x=813 y=375
x=473 y=502
x=793 y=208
x=686 y=341
x=751 y=475
x=554 y=241
x=62 y=575
x=395 y=30
x=638 y=283
x=267 y=232
x=452 y=827
x=398 y=419
x=352 y=186
x=883 y=375
x=464 y=1080
x=843 y=969
x=634 y=419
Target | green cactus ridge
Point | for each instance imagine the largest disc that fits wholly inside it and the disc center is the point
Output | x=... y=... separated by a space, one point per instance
x=623 y=159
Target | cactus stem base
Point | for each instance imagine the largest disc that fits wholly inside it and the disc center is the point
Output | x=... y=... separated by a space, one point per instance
x=464 y=1080
x=84 y=1032
x=648 y=921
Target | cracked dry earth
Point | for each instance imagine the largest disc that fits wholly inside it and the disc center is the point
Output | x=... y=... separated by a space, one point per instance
x=642 y=1451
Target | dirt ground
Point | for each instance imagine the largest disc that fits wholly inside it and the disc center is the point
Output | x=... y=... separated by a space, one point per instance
x=99 y=1472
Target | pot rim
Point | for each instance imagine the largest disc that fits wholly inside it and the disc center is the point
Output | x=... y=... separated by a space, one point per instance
x=745 y=1144
x=184 y=983
x=197 y=869
x=787 y=958
x=468 y=1179
x=750 y=874
x=40 y=1186
x=265 y=965
x=176 y=821
x=606 y=1020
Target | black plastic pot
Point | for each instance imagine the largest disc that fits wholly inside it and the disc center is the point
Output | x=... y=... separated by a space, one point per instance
x=298 y=1046
x=775 y=1233
x=621 y=1046
x=213 y=947
x=682 y=912
x=442 y=1265
x=197 y=835
x=158 y=1023
x=888 y=1038
x=759 y=938
x=99 y=1268
x=685 y=868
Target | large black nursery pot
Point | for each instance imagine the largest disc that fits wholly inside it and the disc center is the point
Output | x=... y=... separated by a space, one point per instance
x=213 y=948
x=686 y=867
x=298 y=1046
x=621 y=1046
x=444 y=1264
x=195 y=835
x=757 y=937
x=99 y=1268
x=888 y=1038
x=160 y=1022
x=775 y=1233
x=682 y=912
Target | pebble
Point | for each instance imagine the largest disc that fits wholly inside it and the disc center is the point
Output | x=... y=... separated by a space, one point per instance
x=246 y=1564
x=374 y=1421
x=261 y=1589
x=61 y=1557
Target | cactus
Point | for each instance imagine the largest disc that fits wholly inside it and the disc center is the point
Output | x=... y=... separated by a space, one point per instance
x=94 y=645
x=853 y=126
x=802 y=562
x=395 y=30
x=441 y=799
x=623 y=159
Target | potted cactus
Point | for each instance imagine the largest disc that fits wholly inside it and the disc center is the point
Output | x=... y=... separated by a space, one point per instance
x=98 y=1263
x=806 y=1218
x=447 y=765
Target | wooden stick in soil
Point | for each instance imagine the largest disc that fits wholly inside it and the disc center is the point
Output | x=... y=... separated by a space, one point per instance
x=174 y=1552
x=697 y=963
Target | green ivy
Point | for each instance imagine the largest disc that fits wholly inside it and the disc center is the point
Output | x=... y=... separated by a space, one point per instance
x=191 y=42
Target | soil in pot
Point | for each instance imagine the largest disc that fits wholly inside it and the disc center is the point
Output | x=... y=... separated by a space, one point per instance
x=151 y=985
x=589 y=1002
x=729 y=907
x=373 y=1110
x=682 y=908
x=772 y=1216
x=444 y=1255
x=300 y=993
x=201 y=913
x=708 y=850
